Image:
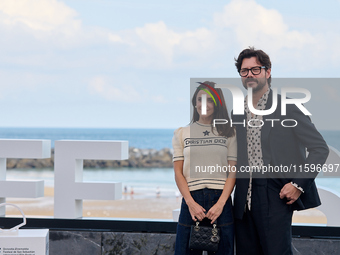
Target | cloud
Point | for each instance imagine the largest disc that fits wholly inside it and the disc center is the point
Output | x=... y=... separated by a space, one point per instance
x=41 y=24
x=118 y=92
x=49 y=23
x=158 y=38
x=115 y=38
x=247 y=23
x=40 y=15
x=252 y=24
x=240 y=24
x=49 y=35
x=161 y=38
x=157 y=45
x=121 y=92
x=14 y=86
x=159 y=99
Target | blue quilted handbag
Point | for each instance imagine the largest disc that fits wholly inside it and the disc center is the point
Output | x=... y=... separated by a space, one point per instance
x=204 y=238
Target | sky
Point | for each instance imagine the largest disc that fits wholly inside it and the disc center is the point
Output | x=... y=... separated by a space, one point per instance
x=128 y=64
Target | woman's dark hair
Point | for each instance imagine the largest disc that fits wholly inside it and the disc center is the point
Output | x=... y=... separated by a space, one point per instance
x=260 y=55
x=220 y=111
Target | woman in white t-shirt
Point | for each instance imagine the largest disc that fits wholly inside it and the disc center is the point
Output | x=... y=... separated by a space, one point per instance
x=204 y=162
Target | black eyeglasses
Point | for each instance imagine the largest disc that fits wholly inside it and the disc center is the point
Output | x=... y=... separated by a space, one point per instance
x=254 y=70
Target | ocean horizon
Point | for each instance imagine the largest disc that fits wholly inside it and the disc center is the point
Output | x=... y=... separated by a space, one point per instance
x=138 y=138
x=143 y=138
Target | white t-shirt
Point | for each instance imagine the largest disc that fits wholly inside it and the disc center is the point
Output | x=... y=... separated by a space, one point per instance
x=205 y=155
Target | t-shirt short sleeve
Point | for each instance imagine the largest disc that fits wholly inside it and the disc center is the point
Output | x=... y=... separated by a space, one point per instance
x=232 y=148
x=178 y=145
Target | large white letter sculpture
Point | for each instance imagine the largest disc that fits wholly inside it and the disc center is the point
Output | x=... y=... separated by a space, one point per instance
x=12 y=148
x=70 y=190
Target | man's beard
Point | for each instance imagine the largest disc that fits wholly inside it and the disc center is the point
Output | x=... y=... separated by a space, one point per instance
x=261 y=82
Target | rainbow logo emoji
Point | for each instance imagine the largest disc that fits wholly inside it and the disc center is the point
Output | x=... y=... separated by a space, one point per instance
x=209 y=93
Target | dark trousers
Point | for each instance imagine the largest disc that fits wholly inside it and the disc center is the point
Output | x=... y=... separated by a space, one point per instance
x=206 y=198
x=266 y=228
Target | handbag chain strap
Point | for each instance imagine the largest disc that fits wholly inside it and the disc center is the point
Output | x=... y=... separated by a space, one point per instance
x=214 y=238
x=197 y=227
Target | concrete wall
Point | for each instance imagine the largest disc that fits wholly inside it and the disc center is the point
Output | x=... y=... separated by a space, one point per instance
x=125 y=243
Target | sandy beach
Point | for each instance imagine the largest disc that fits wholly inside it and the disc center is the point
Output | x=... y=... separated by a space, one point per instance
x=130 y=206
x=137 y=205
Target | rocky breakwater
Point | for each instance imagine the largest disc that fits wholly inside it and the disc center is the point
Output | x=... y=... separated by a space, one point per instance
x=137 y=158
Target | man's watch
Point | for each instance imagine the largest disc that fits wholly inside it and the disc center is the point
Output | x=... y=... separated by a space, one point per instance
x=297 y=186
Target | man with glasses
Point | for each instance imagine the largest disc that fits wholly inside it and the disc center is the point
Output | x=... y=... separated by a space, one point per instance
x=264 y=205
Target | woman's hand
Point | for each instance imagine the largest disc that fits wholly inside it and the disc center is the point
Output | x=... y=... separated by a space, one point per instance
x=215 y=212
x=197 y=212
x=217 y=208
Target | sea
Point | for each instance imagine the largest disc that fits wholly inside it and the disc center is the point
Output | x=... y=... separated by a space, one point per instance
x=139 y=138
x=142 y=180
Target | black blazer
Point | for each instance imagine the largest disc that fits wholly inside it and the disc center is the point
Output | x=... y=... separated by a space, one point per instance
x=284 y=146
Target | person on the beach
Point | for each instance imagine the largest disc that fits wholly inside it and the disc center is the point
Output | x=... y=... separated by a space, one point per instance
x=263 y=204
x=158 y=192
x=205 y=196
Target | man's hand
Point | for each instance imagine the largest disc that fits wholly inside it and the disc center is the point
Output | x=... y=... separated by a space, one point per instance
x=290 y=192
x=215 y=212
x=197 y=212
